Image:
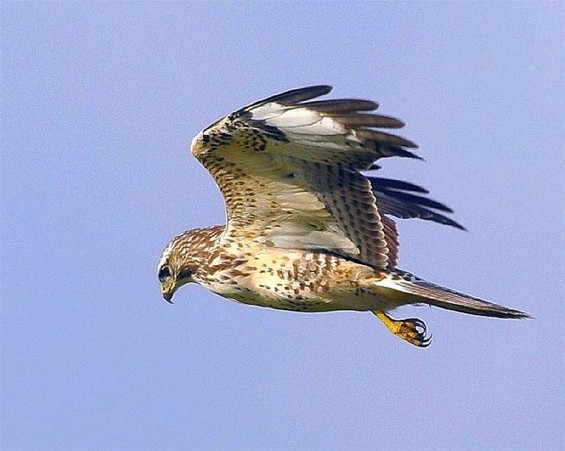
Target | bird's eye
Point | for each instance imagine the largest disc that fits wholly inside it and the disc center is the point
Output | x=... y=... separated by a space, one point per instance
x=164 y=274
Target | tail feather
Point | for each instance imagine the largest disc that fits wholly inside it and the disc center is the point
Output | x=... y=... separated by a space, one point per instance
x=418 y=290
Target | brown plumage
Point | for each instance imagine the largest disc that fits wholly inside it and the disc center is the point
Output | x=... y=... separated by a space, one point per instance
x=307 y=230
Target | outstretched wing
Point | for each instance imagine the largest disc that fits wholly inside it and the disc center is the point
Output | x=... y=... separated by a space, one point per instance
x=290 y=174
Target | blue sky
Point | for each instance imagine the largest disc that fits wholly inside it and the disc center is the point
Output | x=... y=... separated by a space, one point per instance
x=99 y=104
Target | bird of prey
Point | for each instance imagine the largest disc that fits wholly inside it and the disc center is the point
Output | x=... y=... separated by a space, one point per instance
x=308 y=229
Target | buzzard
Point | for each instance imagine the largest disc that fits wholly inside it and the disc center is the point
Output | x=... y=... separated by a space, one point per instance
x=308 y=228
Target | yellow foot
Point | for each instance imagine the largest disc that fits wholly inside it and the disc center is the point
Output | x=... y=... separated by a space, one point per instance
x=412 y=330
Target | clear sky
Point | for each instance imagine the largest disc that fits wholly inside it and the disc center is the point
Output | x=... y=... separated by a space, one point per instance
x=99 y=104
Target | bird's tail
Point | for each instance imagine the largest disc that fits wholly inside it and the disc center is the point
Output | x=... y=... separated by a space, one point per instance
x=415 y=290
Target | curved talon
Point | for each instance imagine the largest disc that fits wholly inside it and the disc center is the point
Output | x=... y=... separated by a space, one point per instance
x=412 y=330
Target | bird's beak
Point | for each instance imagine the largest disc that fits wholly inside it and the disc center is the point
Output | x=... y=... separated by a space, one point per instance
x=168 y=291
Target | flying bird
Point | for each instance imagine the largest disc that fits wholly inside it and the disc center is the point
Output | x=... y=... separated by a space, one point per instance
x=308 y=228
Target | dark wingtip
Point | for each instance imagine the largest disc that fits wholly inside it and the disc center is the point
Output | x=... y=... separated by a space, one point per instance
x=406 y=200
x=299 y=94
x=289 y=97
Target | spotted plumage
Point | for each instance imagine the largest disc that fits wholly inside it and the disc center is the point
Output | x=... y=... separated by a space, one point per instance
x=307 y=228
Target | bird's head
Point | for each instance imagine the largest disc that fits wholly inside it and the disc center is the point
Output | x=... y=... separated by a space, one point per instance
x=183 y=257
x=175 y=267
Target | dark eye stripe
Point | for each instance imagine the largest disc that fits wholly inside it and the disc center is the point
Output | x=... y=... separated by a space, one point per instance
x=184 y=274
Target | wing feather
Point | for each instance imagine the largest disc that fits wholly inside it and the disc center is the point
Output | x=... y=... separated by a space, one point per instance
x=341 y=105
x=368 y=120
x=290 y=97
x=396 y=198
x=290 y=174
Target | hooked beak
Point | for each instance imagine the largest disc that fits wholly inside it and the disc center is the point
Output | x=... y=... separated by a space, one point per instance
x=168 y=291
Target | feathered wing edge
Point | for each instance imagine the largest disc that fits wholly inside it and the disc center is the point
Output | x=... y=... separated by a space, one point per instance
x=291 y=97
x=397 y=198
x=352 y=115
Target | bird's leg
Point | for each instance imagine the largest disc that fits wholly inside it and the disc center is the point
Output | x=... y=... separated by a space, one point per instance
x=412 y=330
